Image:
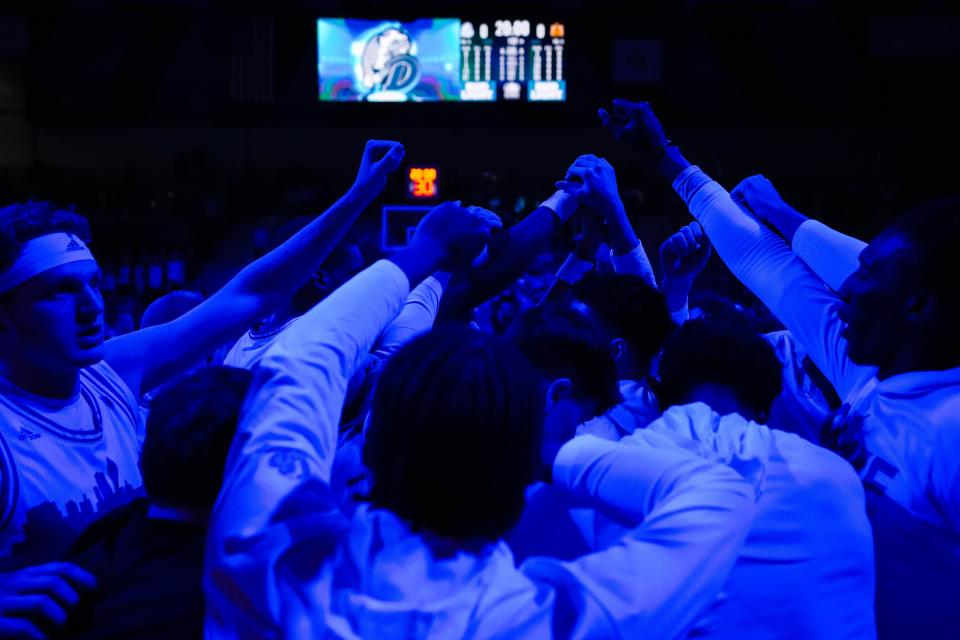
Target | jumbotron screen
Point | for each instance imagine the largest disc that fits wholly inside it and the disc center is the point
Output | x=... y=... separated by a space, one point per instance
x=440 y=60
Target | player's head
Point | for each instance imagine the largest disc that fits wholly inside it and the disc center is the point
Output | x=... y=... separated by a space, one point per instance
x=454 y=434
x=51 y=310
x=904 y=293
x=633 y=315
x=169 y=307
x=191 y=425
x=342 y=264
x=724 y=365
x=572 y=354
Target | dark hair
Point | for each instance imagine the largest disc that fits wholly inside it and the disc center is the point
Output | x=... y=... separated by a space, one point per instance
x=933 y=231
x=169 y=307
x=565 y=343
x=720 y=353
x=454 y=434
x=630 y=308
x=20 y=223
x=191 y=425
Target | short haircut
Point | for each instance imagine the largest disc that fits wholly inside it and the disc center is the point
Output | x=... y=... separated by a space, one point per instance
x=629 y=307
x=20 y=223
x=933 y=232
x=565 y=343
x=189 y=430
x=723 y=354
x=454 y=434
x=169 y=307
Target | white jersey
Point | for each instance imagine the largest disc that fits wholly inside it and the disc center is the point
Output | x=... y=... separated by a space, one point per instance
x=807 y=565
x=801 y=407
x=638 y=409
x=281 y=562
x=909 y=424
x=64 y=463
x=249 y=349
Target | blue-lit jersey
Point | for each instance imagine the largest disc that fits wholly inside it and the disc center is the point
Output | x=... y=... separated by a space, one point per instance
x=64 y=463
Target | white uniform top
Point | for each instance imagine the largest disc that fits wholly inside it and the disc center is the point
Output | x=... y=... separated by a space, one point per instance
x=909 y=423
x=249 y=349
x=801 y=407
x=282 y=563
x=832 y=255
x=64 y=463
x=806 y=569
x=416 y=316
x=638 y=409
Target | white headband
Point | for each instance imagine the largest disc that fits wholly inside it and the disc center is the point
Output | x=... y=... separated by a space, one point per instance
x=42 y=254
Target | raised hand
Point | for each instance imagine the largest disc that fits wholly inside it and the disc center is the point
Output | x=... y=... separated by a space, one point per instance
x=758 y=195
x=635 y=125
x=456 y=233
x=593 y=182
x=380 y=159
x=35 y=601
x=684 y=254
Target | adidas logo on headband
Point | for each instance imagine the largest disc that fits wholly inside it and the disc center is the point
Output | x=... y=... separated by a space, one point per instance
x=74 y=244
x=41 y=254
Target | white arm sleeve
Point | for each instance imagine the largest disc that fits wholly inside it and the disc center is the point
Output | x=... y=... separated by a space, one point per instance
x=635 y=263
x=417 y=316
x=695 y=516
x=284 y=448
x=830 y=254
x=763 y=262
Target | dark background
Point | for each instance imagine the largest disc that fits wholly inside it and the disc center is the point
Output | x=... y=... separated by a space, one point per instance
x=197 y=111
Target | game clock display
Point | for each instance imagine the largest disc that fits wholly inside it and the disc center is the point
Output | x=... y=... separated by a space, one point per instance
x=440 y=60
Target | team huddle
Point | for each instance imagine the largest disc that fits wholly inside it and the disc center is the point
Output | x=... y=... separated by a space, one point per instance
x=365 y=462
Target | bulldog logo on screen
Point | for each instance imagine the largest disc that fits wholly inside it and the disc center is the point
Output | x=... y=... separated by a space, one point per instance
x=388 y=63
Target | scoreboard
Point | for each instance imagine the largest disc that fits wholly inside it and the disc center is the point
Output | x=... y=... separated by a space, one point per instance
x=441 y=60
x=512 y=60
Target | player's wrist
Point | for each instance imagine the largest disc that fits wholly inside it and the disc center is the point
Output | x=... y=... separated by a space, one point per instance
x=562 y=204
x=672 y=163
x=623 y=239
x=422 y=257
x=676 y=291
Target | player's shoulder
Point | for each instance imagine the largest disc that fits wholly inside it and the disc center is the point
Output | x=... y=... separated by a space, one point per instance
x=102 y=377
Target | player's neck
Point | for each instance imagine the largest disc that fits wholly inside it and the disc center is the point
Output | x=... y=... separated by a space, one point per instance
x=60 y=384
x=921 y=360
x=629 y=369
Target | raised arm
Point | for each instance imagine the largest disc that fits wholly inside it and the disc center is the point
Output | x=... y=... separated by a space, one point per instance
x=662 y=575
x=682 y=256
x=278 y=470
x=148 y=357
x=509 y=255
x=417 y=316
x=581 y=261
x=754 y=253
x=832 y=255
x=593 y=182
